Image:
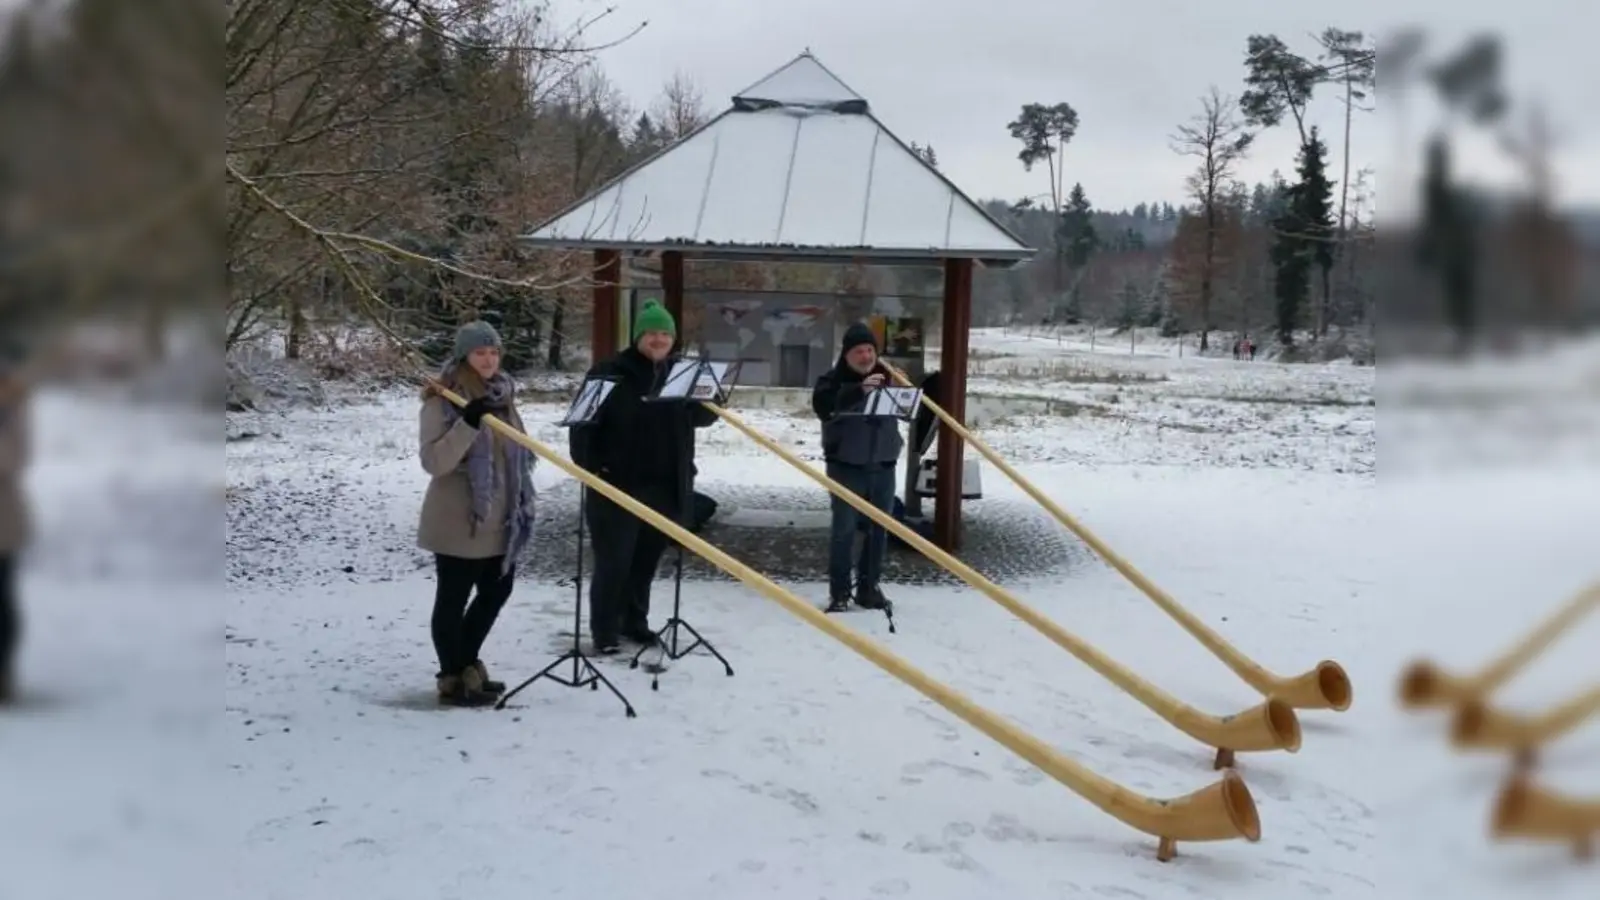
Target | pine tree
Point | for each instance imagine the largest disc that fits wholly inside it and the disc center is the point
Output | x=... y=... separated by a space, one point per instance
x=1304 y=239
x=646 y=138
x=1079 y=239
x=1316 y=212
x=1291 y=273
x=1130 y=305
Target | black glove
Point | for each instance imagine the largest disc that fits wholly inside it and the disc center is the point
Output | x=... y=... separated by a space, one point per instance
x=473 y=412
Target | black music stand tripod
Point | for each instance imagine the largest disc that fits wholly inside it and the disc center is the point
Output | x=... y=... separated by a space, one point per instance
x=690 y=380
x=888 y=402
x=591 y=396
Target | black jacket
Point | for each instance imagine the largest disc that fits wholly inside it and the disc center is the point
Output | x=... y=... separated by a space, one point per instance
x=853 y=440
x=637 y=444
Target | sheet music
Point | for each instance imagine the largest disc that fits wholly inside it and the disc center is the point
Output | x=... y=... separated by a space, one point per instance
x=680 y=380
x=587 y=404
x=694 y=379
x=893 y=401
x=708 y=384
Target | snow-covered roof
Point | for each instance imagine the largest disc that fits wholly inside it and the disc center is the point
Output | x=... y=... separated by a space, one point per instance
x=801 y=81
x=797 y=167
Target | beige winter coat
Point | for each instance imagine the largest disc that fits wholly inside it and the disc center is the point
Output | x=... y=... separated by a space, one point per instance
x=15 y=451
x=446 y=525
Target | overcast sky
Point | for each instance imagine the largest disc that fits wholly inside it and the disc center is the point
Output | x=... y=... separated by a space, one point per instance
x=952 y=73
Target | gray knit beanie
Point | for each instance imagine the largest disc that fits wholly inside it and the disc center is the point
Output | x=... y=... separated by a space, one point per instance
x=473 y=335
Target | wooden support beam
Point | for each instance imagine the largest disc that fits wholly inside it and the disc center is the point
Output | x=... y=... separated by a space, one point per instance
x=607 y=300
x=672 y=289
x=954 y=333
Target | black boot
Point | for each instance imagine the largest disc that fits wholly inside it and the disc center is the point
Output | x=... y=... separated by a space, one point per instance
x=490 y=686
x=462 y=690
x=641 y=635
x=838 y=603
x=872 y=598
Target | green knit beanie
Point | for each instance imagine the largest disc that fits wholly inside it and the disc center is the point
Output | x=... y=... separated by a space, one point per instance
x=653 y=317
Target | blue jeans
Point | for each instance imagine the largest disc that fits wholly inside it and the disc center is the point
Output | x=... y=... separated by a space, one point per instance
x=876 y=486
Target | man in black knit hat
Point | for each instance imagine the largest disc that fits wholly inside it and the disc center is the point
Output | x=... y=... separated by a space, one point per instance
x=861 y=454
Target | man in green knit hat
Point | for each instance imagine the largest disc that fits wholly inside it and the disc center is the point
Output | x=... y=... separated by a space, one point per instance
x=646 y=449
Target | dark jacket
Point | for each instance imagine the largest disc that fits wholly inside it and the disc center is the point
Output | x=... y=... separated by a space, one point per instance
x=637 y=444
x=853 y=440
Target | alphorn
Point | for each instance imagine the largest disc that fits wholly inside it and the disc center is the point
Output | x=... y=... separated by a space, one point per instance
x=1531 y=812
x=1324 y=687
x=1272 y=725
x=1223 y=811
x=1479 y=726
x=1424 y=686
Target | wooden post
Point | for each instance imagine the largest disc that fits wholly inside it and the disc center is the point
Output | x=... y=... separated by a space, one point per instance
x=607 y=298
x=954 y=332
x=672 y=289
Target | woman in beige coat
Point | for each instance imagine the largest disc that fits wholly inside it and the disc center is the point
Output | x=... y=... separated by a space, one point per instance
x=14 y=521
x=477 y=513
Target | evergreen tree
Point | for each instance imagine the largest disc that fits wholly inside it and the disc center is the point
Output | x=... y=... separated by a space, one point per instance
x=1130 y=305
x=1305 y=230
x=1316 y=212
x=1291 y=273
x=1079 y=240
x=646 y=138
x=1447 y=241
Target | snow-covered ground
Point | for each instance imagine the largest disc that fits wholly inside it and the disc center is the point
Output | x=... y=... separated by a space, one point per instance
x=811 y=773
x=1154 y=407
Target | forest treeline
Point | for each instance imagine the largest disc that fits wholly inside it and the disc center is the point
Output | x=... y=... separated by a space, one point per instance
x=382 y=157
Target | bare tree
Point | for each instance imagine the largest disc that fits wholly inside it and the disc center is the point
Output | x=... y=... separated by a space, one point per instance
x=1218 y=139
x=681 y=108
x=584 y=142
x=104 y=154
x=390 y=143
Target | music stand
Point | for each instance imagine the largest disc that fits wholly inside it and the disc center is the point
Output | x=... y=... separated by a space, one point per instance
x=585 y=407
x=889 y=402
x=690 y=380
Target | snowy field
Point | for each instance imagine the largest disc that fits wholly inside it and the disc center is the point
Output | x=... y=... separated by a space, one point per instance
x=1248 y=490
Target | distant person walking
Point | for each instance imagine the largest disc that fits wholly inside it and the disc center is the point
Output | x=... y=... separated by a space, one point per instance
x=477 y=513
x=15 y=521
x=861 y=453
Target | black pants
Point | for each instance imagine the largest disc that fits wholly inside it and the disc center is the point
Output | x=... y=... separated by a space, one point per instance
x=10 y=617
x=459 y=630
x=876 y=486
x=627 y=552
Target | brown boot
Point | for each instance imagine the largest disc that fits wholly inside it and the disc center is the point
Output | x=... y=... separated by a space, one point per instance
x=489 y=686
x=454 y=690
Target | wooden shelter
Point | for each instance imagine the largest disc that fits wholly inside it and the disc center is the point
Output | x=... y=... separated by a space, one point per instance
x=797 y=169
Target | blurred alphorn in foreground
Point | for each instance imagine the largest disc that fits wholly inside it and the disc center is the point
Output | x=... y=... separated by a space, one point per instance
x=1424 y=686
x=1223 y=811
x=1528 y=811
x=1272 y=725
x=1324 y=687
x=1479 y=726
